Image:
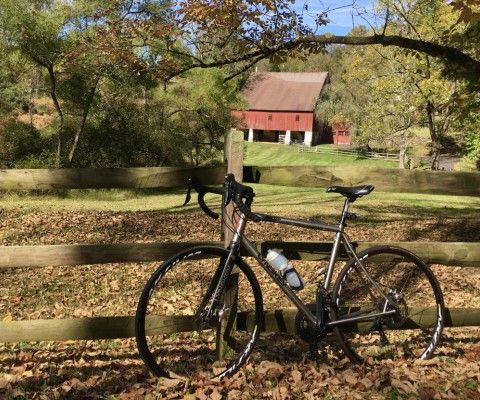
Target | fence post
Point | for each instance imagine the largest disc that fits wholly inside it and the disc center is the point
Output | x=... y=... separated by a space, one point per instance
x=234 y=159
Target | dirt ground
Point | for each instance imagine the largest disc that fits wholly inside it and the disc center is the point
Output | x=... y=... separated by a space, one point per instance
x=111 y=369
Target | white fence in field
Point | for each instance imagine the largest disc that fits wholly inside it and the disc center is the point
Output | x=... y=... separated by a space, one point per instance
x=347 y=152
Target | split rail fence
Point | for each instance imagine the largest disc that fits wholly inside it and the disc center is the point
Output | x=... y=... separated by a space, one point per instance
x=450 y=254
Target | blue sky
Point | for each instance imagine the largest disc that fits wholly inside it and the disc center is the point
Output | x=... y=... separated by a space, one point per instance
x=342 y=14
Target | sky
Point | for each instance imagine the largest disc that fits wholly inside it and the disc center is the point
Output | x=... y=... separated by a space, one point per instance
x=342 y=14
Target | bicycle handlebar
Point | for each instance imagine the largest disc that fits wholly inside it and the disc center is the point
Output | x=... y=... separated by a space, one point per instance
x=202 y=190
x=232 y=190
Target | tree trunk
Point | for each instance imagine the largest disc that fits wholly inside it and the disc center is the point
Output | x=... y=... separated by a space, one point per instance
x=81 y=127
x=53 y=95
x=32 y=95
x=434 y=136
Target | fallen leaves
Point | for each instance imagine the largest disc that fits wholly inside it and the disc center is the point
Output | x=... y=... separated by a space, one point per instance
x=97 y=370
x=270 y=370
x=92 y=369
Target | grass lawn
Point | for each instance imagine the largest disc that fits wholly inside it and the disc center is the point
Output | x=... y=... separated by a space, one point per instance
x=282 y=200
x=274 y=154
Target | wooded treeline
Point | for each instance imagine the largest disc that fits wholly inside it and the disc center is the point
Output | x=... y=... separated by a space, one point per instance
x=116 y=83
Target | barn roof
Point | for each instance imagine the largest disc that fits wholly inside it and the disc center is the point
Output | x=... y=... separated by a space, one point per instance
x=284 y=91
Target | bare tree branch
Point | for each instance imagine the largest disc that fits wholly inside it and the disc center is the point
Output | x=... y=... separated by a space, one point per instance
x=450 y=54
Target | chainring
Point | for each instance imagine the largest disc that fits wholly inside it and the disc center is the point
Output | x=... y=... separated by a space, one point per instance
x=304 y=331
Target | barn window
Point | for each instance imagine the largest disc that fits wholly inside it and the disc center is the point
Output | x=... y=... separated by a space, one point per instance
x=297 y=118
x=269 y=117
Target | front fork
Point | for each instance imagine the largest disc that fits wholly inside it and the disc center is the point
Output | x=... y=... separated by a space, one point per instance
x=210 y=310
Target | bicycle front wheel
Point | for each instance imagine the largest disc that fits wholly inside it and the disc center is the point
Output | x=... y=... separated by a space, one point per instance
x=176 y=338
x=414 y=327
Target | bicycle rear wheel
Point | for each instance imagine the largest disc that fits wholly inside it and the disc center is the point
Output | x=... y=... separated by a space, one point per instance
x=413 y=330
x=174 y=339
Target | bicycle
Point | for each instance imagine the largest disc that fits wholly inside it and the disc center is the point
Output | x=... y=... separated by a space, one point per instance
x=385 y=303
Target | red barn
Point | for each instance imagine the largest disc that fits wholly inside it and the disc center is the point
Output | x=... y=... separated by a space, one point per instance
x=281 y=107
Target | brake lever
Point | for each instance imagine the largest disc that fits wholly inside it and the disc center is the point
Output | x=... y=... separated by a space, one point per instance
x=227 y=195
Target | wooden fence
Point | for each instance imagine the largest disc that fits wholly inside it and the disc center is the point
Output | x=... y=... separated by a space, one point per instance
x=106 y=178
x=347 y=152
x=456 y=254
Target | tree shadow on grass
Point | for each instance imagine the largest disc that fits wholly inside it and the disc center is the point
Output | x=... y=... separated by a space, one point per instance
x=448 y=230
x=449 y=224
x=392 y=212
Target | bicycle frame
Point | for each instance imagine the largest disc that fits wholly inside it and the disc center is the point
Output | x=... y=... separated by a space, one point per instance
x=316 y=321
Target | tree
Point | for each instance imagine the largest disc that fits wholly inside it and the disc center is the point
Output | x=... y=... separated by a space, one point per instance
x=382 y=93
x=260 y=29
x=78 y=44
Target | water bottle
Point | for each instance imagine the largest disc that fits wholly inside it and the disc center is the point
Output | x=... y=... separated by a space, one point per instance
x=285 y=269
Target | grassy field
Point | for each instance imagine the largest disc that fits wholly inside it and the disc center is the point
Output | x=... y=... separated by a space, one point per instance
x=273 y=154
x=293 y=201
x=306 y=202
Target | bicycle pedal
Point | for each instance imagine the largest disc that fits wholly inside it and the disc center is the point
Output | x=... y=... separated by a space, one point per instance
x=312 y=353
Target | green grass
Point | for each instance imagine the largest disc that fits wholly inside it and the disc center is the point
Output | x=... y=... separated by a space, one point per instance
x=378 y=206
x=289 y=201
x=282 y=200
x=274 y=154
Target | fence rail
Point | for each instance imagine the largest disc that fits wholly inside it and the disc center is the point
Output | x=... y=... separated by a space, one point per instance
x=384 y=180
x=445 y=253
x=282 y=320
x=98 y=178
x=347 y=152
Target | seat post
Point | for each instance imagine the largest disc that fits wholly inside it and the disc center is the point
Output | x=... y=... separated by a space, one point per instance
x=346 y=206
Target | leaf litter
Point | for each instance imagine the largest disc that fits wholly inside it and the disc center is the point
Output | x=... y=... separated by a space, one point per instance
x=111 y=369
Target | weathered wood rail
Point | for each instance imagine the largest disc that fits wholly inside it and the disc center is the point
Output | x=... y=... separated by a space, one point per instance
x=123 y=326
x=445 y=253
x=384 y=180
x=456 y=254
x=108 y=178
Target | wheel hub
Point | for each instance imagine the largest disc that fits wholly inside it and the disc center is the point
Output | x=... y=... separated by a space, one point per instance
x=398 y=319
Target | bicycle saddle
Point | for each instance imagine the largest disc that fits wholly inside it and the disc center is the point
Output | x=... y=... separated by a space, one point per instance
x=352 y=192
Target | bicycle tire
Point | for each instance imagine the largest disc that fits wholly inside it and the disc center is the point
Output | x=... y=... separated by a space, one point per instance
x=176 y=289
x=401 y=274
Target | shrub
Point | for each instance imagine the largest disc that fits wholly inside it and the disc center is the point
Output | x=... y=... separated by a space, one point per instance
x=18 y=141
